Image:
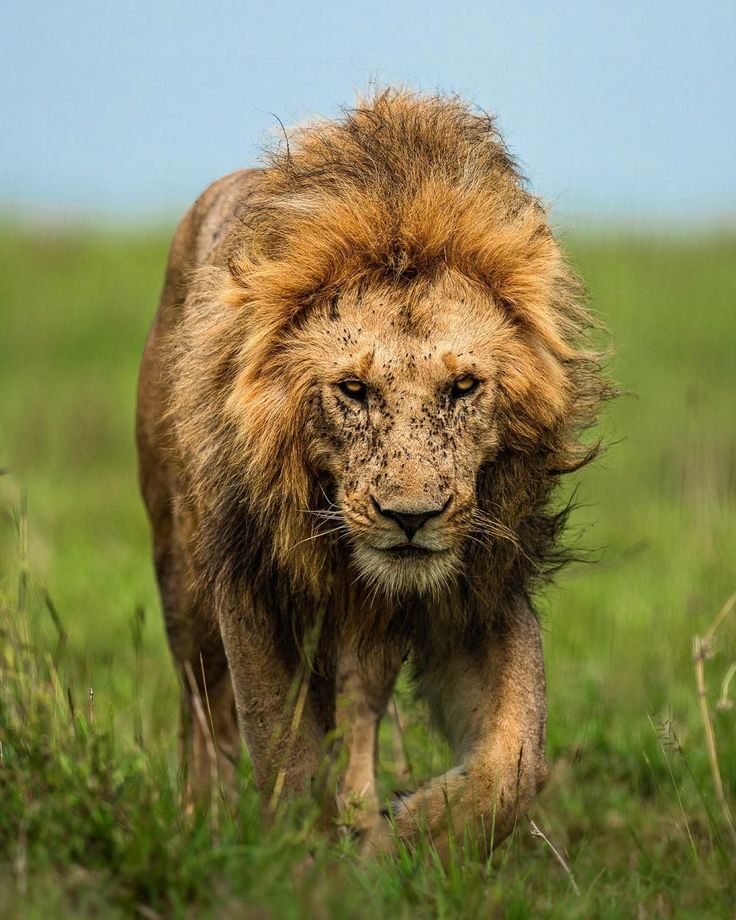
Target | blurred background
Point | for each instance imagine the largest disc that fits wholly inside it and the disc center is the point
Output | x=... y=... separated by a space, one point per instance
x=126 y=110
x=115 y=117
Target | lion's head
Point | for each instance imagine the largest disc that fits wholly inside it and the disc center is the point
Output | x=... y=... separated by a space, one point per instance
x=395 y=358
x=407 y=398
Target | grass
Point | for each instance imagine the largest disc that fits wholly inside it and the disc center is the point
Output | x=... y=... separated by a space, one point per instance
x=90 y=807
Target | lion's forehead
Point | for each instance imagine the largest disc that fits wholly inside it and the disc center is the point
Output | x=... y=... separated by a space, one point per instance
x=395 y=344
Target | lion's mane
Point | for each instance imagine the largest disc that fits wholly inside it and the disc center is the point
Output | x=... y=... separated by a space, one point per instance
x=402 y=187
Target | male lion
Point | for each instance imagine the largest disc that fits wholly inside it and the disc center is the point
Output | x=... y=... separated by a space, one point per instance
x=365 y=379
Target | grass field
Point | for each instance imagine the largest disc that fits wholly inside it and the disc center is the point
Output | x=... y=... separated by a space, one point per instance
x=90 y=817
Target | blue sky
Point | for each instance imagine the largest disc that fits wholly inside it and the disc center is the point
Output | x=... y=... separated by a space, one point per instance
x=616 y=110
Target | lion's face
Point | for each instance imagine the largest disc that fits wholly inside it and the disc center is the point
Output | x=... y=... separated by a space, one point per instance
x=404 y=417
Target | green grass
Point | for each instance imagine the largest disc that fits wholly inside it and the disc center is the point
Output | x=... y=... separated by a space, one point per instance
x=90 y=813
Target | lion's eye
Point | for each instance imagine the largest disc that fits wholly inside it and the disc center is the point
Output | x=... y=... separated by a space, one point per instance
x=464 y=385
x=355 y=389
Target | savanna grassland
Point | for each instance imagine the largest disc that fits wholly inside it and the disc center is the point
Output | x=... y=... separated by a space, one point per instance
x=91 y=822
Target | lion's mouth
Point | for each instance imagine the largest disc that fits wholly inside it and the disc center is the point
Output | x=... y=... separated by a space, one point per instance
x=408 y=551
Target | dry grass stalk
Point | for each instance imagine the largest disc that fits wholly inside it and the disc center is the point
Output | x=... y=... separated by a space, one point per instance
x=291 y=738
x=540 y=835
x=201 y=717
x=725 y=702
x=702 y=649
x=298 y=695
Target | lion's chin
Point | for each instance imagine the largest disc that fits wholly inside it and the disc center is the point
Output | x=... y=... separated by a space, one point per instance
x=406 y=570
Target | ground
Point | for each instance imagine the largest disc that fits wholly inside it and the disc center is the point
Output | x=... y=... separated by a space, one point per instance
x=91 y=822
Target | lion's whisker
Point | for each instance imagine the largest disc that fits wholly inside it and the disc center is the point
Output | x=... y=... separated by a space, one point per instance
x=322 y=512
x=315 y=536
x=496 y=527
x=327 y=497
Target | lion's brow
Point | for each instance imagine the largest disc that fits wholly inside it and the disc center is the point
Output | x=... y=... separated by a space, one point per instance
x=365 y=362
x=450 y=360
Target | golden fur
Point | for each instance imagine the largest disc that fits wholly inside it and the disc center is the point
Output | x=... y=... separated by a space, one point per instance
x=397 y=246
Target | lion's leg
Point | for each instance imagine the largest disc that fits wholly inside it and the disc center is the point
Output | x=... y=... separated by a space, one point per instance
x=491 y=705
x=210 y=745
x=276 y=713
x=364 y=687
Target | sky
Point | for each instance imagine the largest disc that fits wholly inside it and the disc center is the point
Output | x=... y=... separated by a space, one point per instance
x=617 y=111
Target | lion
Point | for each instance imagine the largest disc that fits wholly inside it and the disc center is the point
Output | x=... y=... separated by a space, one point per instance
x=368 y=373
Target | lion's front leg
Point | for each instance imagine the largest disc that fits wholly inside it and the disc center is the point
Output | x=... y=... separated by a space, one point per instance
x=364 y=687
x=276 y=712
x=491 y=705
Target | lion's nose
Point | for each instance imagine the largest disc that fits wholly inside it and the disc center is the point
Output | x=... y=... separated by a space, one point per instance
x=410 y=520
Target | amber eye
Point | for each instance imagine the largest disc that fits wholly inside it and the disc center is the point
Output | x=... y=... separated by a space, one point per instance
x=355 y=389
x=464 y=385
